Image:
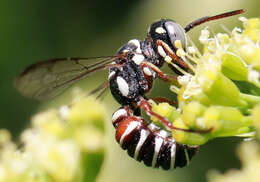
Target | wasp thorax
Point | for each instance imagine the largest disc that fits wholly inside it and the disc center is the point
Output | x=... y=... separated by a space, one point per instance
x=167 y=31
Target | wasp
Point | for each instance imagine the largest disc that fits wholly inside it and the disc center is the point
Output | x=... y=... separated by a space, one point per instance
x=132 y=71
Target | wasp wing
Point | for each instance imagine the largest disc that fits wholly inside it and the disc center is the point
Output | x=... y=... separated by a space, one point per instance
x=47 y=79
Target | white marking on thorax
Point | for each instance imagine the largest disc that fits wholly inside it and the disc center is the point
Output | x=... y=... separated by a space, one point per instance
x=160 y=30
x=122 y=86
x=173 y=155
x=157 y=147
x=132 y=126
x=147 y=71
x=118 y=113
x=161 y=51
x=137 y=44
x=125 y=50
x=111 y=74
x=138 y=58
x=143 y=136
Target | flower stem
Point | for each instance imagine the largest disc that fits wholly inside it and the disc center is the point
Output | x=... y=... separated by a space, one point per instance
x=250 y=99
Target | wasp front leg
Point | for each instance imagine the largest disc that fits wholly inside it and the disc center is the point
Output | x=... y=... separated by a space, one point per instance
x=176 y=63
x=147 y=66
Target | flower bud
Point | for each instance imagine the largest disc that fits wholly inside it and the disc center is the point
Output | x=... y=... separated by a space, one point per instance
x=94 y=114
x=189 y=138
x=226 y=121
x=165 y=110
x=252 y=29
x=234 y=67
x=220 y=90
x=191 y=114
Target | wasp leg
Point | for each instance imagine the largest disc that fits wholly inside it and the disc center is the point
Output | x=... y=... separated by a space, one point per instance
x=147 y=107
x=161 y=75
x=163 y=99
x=169 y=56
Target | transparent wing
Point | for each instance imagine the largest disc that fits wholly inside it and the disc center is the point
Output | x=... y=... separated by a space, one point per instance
x=101 y=90
x=47 y=79
x=101 y=87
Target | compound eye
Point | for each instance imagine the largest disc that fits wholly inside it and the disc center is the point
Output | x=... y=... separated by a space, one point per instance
x=175 y=32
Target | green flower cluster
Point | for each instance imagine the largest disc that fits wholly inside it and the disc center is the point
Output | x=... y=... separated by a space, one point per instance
x=62 y=145
x=216 y=98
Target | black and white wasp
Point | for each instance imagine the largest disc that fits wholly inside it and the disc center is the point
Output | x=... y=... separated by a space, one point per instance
x=131 y=74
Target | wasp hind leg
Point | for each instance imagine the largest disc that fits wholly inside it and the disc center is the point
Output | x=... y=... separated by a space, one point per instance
x=147 y=107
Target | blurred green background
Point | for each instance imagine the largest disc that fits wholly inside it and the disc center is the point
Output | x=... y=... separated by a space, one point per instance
x=31 y=31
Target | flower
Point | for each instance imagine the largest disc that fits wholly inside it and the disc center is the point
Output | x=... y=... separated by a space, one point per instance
x=58 y=146
x=217 y=95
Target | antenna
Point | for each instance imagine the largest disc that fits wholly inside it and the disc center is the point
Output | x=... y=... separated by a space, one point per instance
x=210 y=18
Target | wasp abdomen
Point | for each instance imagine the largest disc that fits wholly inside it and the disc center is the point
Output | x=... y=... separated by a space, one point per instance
x=148 y=143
